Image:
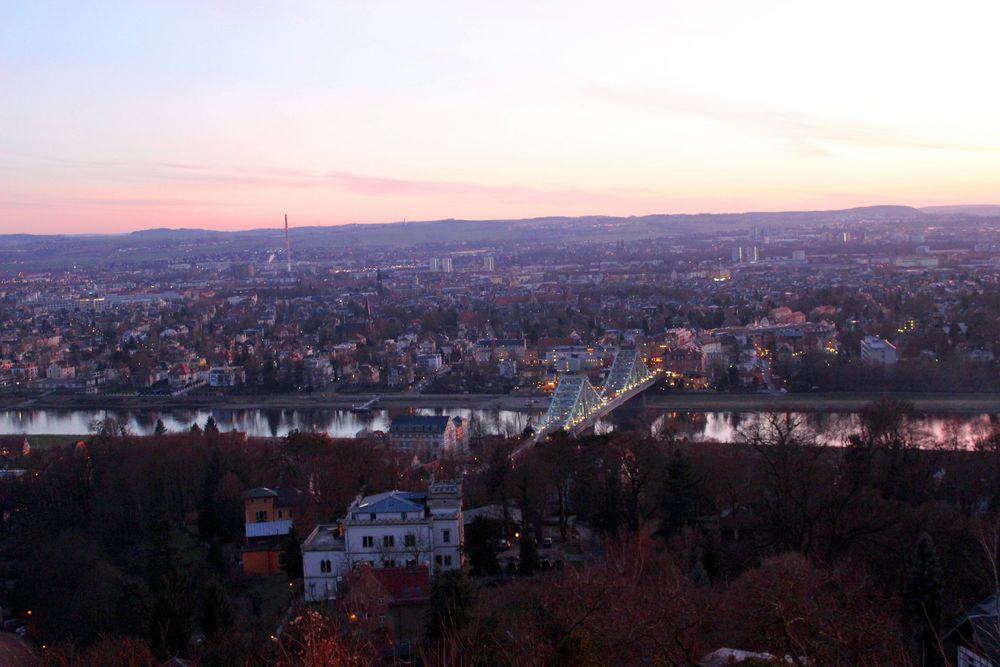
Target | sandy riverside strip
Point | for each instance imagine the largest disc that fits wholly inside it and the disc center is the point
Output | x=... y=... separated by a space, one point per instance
x=969 y=403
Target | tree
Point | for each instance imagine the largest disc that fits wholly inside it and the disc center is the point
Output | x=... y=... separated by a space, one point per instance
x=160 y=429
x=171 y=618
x=106 y=652
x=560 y=462
x=528 y=554
x=216 y=612
x=211 y=428
x=452 y=596
x=132 y=610
x=480 y=543
x=216 y=558
x=291 y=555
x=170 y=622
x=922 y=594
x=679 y=497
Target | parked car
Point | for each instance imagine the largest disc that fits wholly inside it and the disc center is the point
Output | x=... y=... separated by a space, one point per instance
x=547 y=542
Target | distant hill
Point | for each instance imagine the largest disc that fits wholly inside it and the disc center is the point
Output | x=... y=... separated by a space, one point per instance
x=38 y=251
x=985 y=210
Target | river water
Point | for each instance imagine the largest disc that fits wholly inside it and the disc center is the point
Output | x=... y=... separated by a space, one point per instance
x=830 y=428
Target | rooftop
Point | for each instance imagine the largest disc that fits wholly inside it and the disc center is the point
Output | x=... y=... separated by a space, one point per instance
x=424 y=423
x=325 y=537
x=393 y=502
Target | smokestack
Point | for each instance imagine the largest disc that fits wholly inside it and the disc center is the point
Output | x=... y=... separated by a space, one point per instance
x=288 y=246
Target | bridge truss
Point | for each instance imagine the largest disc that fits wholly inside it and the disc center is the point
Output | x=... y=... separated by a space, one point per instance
x=575 y=400
x=627 y=372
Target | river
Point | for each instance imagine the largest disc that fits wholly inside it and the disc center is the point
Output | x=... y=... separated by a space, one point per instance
x=830 y=428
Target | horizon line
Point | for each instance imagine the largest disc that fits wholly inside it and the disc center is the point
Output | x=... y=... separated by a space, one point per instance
x=524 y=219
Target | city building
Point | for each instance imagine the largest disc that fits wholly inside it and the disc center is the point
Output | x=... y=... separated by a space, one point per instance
x=226 y=376
x=875 y=350
x=386 y=530
x=388 y=607
x=269 y=515
x=324 y=562
x=427 y=437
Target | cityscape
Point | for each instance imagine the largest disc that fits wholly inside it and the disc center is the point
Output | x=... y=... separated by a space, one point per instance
x=689 y=356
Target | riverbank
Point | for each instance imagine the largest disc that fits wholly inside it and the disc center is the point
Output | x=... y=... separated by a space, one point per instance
x=969 y=403
x=275 y=402
x=715 y=402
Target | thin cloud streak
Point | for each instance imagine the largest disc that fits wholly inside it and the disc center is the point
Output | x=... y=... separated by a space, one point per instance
x=349 y=181
x=806 y=132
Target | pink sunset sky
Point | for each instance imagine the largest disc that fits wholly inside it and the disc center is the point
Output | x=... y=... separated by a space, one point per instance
x=119 y=116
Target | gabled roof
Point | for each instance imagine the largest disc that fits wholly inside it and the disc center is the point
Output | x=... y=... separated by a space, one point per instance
x=259 y=492
x=282 y=497
x=420 y=423
x=393 y=502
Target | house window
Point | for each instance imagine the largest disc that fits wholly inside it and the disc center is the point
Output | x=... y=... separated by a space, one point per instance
x=410 y=540
x=367 y=541
x=388 y=541
x=381 y=619
x=447 y=561
x=371 y=517
x=446 y=536
x=280 y=514
x=381 y=601
x=261 y=516
x=437 y=560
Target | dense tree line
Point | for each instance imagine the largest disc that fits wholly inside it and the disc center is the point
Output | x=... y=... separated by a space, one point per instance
x=854 y=555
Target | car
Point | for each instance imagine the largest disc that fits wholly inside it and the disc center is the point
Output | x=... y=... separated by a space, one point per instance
x=547 y=542
x=503 y=545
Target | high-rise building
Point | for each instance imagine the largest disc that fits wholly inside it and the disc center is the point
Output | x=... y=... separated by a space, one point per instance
x=488 y=263
x=746 y=253
x=441 y=264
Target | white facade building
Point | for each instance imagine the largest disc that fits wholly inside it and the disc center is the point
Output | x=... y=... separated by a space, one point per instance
x=388 y=529
x=324 y=562
x=875 y=350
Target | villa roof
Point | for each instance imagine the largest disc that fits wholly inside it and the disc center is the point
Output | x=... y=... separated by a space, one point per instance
x=393 y=502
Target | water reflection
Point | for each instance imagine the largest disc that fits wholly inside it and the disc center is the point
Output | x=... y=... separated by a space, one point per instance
x=256 y=422
x=829 y=428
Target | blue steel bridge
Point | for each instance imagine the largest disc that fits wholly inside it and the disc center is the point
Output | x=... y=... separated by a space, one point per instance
x=576 y=405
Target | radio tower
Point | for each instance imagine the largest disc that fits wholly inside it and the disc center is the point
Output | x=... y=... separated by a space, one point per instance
x=288 y=246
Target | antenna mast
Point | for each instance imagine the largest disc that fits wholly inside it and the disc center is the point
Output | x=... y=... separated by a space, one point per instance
x=288 y=246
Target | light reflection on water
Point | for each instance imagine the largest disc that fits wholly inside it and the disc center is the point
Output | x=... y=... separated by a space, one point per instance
x=830 y=428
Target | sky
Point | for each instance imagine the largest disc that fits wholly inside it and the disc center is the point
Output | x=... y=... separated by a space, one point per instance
x=116 y=116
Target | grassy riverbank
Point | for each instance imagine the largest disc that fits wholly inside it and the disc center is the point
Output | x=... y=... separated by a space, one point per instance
x=687 y=402
x=716 y=402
